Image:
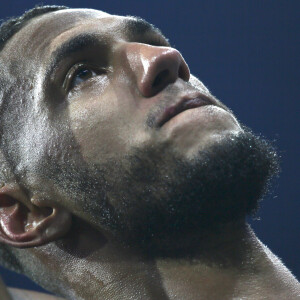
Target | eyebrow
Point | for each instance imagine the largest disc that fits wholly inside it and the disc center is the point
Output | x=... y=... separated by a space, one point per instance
x=139 y=26
x=134 y=27
x=69 y=47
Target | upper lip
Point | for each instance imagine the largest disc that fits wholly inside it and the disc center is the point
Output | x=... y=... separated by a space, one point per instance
x=185 y=103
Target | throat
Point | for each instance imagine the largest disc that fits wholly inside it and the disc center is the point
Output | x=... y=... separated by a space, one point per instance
x=224 y=247
x=224 y=263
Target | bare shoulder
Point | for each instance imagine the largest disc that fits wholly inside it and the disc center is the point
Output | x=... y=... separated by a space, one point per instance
x=19 y=294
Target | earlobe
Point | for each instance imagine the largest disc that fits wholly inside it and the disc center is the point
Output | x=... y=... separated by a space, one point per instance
x=23 y=224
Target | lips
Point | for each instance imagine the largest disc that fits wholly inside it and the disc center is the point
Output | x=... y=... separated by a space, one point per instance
x=185 y=104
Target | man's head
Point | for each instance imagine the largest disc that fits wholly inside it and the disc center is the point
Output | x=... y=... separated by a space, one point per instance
x=102 y=120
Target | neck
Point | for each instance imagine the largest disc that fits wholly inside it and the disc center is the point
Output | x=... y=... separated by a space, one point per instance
x=231 y=264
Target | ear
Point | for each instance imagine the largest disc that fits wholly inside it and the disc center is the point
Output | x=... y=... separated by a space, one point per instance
x=23 y=224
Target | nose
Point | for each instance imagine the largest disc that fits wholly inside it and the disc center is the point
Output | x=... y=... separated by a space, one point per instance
x=152 y=67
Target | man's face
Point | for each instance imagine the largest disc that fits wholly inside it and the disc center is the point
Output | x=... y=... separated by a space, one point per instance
x=109 y=96
x=118 y=76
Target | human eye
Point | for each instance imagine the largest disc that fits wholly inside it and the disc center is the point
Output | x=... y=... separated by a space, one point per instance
x=158 y=41
x=80 y=73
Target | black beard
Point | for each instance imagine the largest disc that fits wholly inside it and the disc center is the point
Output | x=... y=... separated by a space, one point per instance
x=162 y=204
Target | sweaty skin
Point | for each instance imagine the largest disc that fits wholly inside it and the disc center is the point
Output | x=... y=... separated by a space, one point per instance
x=106 y=109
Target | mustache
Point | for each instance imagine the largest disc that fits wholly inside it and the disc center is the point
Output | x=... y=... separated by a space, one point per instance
x=167 y=97
x=172 y=95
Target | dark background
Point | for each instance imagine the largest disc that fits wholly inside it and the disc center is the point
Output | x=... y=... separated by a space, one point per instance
x=246 y=52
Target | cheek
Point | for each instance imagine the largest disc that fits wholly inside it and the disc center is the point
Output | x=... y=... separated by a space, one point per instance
x=94 y=122
x=105 y=126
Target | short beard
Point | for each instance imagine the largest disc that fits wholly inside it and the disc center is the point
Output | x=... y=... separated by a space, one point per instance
x=157 y=202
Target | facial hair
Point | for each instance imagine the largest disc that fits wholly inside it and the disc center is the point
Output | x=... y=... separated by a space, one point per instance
x=159 y=202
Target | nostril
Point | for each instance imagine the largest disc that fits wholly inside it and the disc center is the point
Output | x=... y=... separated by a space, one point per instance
x=160 y=78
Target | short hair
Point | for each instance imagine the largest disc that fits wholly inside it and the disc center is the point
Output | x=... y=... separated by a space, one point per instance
x=13 y=25
x=7 y=29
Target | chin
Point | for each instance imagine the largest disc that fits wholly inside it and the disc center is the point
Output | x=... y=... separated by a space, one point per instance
x=174 y=201
x=207 y=142
x=188 y=133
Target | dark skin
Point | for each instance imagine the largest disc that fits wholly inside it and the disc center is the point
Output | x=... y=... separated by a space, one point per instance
x=100 y=101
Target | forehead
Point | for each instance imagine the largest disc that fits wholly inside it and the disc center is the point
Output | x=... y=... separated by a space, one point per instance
x=44 y=33
x=47 y=28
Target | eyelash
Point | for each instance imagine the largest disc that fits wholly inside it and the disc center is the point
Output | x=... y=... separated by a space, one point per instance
x=75 y=70
x=68 y=83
